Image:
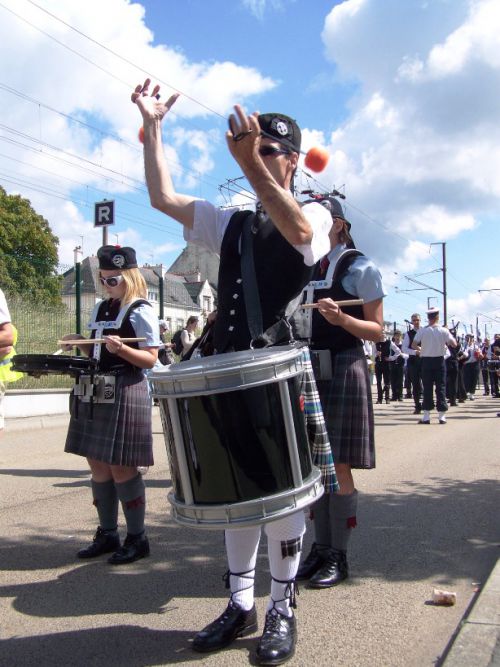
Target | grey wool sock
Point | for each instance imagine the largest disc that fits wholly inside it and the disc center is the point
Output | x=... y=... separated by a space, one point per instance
x=132 y=495
x=342 y=519
x=106 y=504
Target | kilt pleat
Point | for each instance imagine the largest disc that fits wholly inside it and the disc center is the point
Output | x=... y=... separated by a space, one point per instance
x=119 y=433
x=348 y=410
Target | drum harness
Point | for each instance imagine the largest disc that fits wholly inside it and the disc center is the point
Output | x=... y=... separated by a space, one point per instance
x=96 y=387
x=321 y=359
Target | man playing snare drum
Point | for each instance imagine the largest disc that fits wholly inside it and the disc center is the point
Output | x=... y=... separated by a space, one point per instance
x=287 y=241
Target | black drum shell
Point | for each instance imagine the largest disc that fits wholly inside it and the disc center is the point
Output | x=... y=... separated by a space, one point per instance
x=42 y=364
x=228 y=423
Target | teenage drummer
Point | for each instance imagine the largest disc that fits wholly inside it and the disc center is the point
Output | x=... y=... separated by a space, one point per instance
x=116 y=437
x=287 y=240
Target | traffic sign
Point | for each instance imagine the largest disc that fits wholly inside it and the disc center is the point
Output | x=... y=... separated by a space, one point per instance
x=104 y=213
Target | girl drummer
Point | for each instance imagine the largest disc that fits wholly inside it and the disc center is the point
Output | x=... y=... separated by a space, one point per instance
x=117 y=437
x=346 y=391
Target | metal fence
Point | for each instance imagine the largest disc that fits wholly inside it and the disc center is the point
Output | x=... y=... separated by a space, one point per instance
x=40 y=326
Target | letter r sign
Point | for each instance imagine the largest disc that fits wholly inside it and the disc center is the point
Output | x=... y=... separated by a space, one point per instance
x=104 y=213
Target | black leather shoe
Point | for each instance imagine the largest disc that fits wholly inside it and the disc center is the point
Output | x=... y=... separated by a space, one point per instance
x=134 y=547
x=233 y=623
x=310 y=565
x=278 y=640
x=417 y=411
x=333 y=571
x=104 y=542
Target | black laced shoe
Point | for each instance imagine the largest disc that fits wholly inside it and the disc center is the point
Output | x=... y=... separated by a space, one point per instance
x=278 y=640
x=333 y=571
x=233 y=623
x=134 y=547
x=104 y=542
x=311 y=564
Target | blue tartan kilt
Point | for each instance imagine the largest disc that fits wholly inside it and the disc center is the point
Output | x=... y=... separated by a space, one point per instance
x=119 y=433
x=348 y=409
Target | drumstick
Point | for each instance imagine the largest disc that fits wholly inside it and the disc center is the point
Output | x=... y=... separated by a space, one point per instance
x=91 y=341
x=347 y=302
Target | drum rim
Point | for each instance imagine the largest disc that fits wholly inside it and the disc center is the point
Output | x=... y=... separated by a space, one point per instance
x=217 y=514
x=171 y=382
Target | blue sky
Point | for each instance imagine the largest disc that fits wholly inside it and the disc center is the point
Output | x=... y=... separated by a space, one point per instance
x=403 y=93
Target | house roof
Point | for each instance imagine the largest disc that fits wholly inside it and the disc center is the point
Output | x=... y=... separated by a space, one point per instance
x=195 y=259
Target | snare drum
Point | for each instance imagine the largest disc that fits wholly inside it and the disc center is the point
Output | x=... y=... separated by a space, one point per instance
x=493 y=365
x=236 y=437
x=43 y=364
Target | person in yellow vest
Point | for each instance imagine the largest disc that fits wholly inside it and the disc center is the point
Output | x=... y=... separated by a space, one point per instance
x=8 y=338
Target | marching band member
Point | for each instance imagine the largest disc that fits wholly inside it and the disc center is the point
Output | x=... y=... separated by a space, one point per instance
x=287 y=241
x=471 y=366
x=344 y=387
x=118 y=438
x=397 y=360
x=414 y=365
x=432 y=341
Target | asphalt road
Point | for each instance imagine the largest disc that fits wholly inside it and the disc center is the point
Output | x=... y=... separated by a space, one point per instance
x=428 y=517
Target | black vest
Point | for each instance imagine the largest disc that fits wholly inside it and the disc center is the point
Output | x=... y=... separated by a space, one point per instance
x=108 y=310
x=281 y=276
x=384 y=347
x=328 y=336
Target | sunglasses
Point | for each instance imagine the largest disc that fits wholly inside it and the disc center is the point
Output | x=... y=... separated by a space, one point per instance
x=266 y=151
x=111 y=282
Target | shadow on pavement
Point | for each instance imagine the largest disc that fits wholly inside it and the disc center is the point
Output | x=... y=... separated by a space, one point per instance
x=129 y=645
x=425 y=531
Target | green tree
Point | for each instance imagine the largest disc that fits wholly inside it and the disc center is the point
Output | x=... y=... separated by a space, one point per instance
x=28 y=251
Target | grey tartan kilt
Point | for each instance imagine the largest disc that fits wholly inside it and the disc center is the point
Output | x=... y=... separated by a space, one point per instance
x=348 y=409
x=119 y=433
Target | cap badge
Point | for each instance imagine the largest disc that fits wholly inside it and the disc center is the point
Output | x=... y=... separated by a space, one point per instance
x=282 y=128
x=118 y=260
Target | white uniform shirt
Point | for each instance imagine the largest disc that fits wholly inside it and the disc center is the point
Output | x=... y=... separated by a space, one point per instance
x=433 y=340
x=210 y=224
x=406 y=346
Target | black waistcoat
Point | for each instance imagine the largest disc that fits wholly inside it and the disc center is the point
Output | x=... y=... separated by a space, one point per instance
x=108 y=311
x=412 y=358
x=328 y=336
x=384 y=347
x=281 y=277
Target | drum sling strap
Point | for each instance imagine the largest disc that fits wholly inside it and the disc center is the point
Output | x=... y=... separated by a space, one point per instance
x=259 y=337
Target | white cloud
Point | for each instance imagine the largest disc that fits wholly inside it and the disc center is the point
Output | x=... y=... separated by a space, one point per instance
x=58 y=78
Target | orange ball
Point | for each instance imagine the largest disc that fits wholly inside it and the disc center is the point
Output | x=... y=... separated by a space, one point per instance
x=316 y=158
x=141 y=135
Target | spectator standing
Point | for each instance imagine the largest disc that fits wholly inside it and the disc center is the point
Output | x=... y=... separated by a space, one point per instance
x=165 y=354
x=188 y=335
x=7 y=336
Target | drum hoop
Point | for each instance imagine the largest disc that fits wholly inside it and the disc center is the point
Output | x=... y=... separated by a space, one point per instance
x=199 y=381
x=244 y=514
